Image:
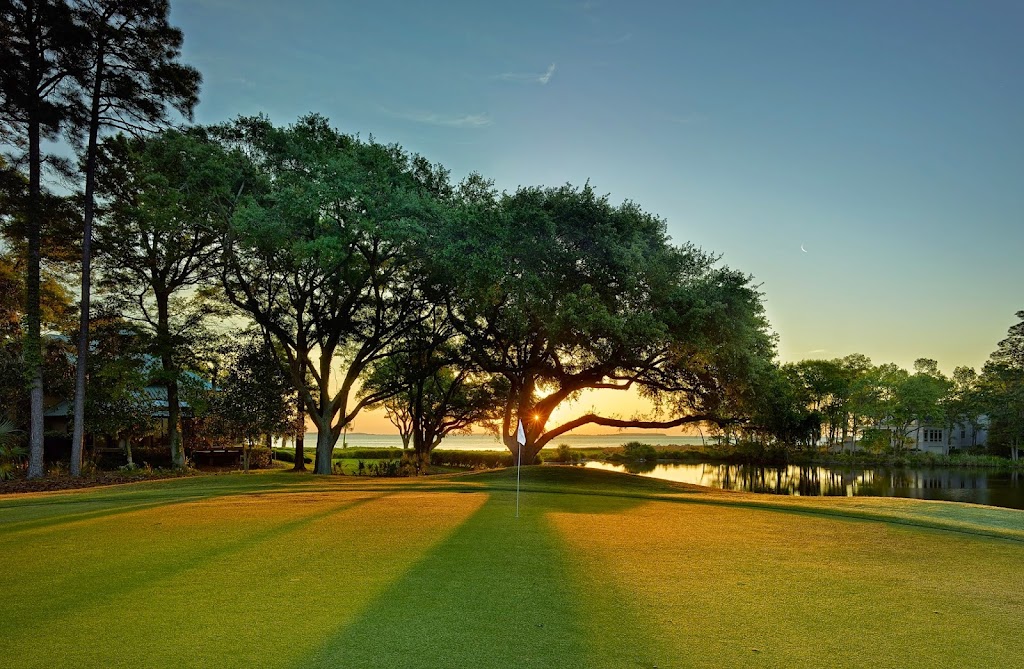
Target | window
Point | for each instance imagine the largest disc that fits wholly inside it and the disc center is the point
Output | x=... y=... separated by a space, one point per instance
x=932 y=436
x=963 y=434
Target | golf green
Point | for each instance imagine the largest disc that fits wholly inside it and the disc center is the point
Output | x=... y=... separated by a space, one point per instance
x=599 y=570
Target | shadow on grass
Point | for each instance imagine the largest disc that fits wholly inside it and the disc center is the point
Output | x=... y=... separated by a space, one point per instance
x=497 y=593
x=59 y=508
x=91 y=589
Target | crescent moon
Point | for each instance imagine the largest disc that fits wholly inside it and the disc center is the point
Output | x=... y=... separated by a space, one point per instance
x=802 y=248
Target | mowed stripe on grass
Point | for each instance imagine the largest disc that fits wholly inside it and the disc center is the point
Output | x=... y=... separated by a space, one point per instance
x=601 y=570
x=232 y=582
x=715 y=586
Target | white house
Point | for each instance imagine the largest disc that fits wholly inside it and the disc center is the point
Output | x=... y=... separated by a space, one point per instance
x=936 y=438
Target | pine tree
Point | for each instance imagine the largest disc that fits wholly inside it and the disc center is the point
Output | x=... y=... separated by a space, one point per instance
x=131 y=80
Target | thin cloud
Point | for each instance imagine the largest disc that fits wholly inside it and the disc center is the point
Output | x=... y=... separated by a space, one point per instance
x=529 y=78
x=446 y=120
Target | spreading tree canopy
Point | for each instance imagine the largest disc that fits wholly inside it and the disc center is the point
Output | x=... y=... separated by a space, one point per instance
x=323 y=257
x=170 y=196
x=559 y=291
x=434 y=388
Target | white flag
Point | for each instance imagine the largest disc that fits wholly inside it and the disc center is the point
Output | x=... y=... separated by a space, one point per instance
x=521 y=440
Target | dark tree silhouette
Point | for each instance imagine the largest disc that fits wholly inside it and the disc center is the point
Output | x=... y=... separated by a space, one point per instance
x=39 y=49
x=169 y=196
x=129 y=82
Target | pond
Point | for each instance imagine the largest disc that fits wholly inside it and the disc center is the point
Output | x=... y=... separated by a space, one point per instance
x=978 y=486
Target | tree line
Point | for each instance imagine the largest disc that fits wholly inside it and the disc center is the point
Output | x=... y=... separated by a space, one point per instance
x=849 y=402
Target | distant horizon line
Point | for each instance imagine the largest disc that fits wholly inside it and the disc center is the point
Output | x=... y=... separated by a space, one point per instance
x=485 y=434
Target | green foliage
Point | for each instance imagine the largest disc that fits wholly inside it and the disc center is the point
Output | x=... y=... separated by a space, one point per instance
x=368 y=453
x=117 y=403
x=432 y=389
x=253 y=396
x=635 y=451
x=785 y=408
x=321 y=255
x=471 y=459
x=288 y=455
x=12 y=453
x=876 y=440
x=260 y=457
x=564 y=453
x=152 y=456
x=157 y=240
x=1001 y=390
x=557 y=290
x=410 y=464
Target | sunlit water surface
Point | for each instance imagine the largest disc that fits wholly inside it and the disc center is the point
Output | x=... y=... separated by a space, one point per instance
x=978 y=486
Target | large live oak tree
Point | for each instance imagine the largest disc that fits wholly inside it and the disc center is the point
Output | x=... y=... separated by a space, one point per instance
x=323 y=258
x=559 y=291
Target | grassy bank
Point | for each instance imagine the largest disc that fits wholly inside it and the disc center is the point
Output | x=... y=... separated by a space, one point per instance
x=347 y=461
x=600 y=570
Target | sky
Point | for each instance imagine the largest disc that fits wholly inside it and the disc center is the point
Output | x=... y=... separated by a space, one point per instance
x=885 y=139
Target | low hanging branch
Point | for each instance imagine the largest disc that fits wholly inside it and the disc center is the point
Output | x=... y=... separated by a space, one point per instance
x=593 y=419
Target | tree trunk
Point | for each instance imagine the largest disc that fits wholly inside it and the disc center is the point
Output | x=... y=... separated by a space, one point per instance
x=126 y=446
x=173 y=416
x=846 y=425
x=33 y=342
x=300 y=438
x=530 y=450
x=170 y=371
x=325 y=441
x=78 y=435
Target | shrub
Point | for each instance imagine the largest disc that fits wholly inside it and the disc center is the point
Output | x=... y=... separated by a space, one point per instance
x=565 y=454
x=356 y=452
x=389 y=468
x=12 y=454
x=471 y=459
x=414 y=464
x=288 y=455
x=154 y=456
x=636 y=451
x=259 y=457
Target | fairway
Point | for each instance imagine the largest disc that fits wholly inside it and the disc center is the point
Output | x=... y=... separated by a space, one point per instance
x=600 y=570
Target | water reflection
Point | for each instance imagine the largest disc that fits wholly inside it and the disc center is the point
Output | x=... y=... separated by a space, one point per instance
x=960 y=485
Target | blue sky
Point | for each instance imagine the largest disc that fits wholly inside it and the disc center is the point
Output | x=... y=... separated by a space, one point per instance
x=886 y=137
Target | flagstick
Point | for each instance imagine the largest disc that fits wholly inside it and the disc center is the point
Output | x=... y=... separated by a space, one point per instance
x=521 y=440
x=519 y=468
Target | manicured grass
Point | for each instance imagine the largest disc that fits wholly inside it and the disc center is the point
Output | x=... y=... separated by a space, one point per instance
x=600 y=570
